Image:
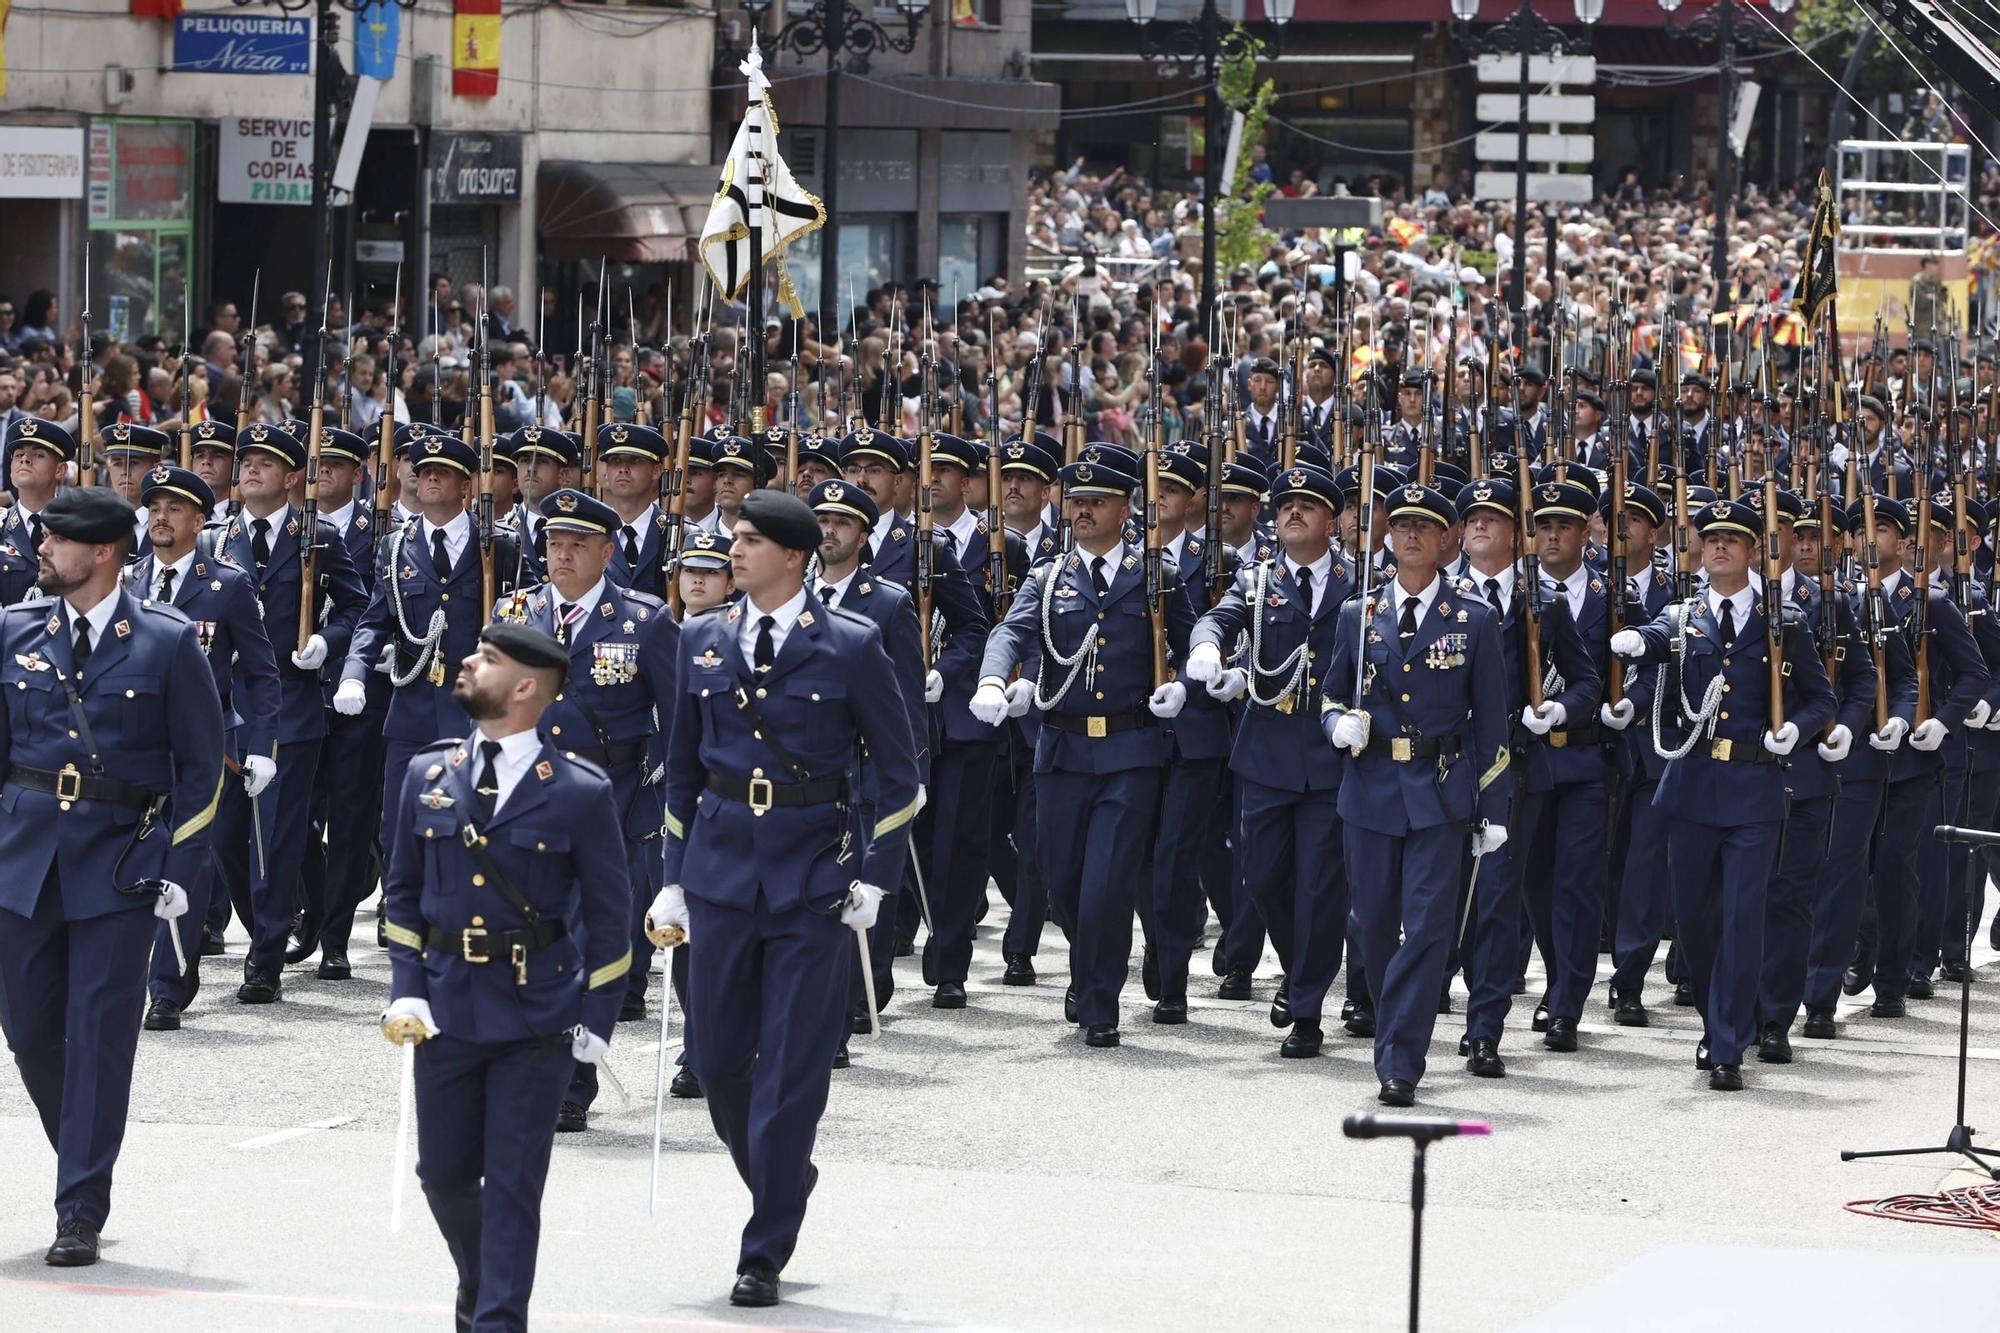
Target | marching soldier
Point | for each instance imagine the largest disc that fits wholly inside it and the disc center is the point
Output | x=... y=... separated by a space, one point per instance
x=221 y=601
x=1098 y=764
x=630 y=459
x=775 y=693
x=706 y=578
x=1416 y=787
x=545 y=461
x=620 y=649
x=37 y=451
x=109 y=738
x=260 y=854
x=508 y=914
x=212 y=457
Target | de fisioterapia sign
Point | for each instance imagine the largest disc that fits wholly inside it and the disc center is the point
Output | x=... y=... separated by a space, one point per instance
x=242 y=44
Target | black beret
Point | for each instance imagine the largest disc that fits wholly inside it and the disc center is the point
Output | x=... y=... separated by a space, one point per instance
x=179 y=483
x=1647 y=378
x=1264 y=365
x=783 y=517
x=95 y=514
x=527 y=645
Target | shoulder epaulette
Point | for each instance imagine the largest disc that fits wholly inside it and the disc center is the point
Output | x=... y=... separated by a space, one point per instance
x=586 y=765
x=162 y=609
x=442 y=743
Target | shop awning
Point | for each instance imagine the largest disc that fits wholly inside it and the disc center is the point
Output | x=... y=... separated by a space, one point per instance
x=637 y=213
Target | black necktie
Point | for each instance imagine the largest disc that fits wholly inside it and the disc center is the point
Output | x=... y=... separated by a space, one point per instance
x=1098 y=577
x=82 y=653
x=260 y=542
x=1306 y=586
x=167 y=584
x=765 y=652
x=631 y=545
x=486 y=791
x=827 y=592
x=440 y=555
x=1406 y=627
x=1726 y=617
x=34 y=534
x=1493 y=596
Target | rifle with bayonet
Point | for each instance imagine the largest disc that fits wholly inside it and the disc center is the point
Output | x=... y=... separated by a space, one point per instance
x=1155 y=553
x=309 y=524
x=487 y=584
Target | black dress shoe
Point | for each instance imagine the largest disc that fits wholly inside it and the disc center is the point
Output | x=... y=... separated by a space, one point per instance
x=1993 y=933
x=571 y=1118
x=1726 y=1078
x=632 y=1008
x=1561 y=1035
x=1701 y=1060
x=163 y=1016
x=929 y=968
x=1235 y=986
x=1890 y=1006
x=1955 y=970
x=1362 y=1023
x=1860 y=973
x=1774 y=1047
x=1683 y=995
x=1281 y=1005
x=1069 y=1004
x=1485 y=1061
x=1220 y=965
x=1520 y=986
x=212 y=945
x=1444 y=998
x=1101 y=1035
x=462 y=1306
x=904 y=948
x=685 y=1085
x=1171 y=1011
x=261 y=985
x=1398 y=1092
x=756 y=1286
x=1020 y=972
x=1346 y=1010
x=305 y=937
x=1464 y=1047
x=1819 y=1025
x=1628 y=1010
x=840 y=1060
x=858 y=1025
x=1541 y=1019
x=335 y=967
x=1149 y=975
x=75 y=1246
x=1303 y=1042
x=1921 y=988
x=949 y=995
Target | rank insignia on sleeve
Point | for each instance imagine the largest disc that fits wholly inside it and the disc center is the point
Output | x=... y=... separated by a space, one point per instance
x=545 y=770
x=123 y=629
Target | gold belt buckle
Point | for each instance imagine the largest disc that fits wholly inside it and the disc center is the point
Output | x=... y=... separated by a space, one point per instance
x=1402 y=749
x=465 y=939
x=1283 y=705
x=1721 y=748
x=761 y=794
x=69 y=784
x=518 y=955
x=1095 y=728
x=1558 y=739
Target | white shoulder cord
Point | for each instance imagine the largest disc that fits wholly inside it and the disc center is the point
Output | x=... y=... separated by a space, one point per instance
x=1083 y=661
x=1293 y=666
x=426 y=643
x=1701 y=720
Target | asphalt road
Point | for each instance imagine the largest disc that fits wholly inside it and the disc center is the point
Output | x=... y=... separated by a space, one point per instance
x=983 y=1170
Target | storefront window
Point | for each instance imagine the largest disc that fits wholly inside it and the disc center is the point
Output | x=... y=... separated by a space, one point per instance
x=874 y=249
x=142 y=229
x=968 y=250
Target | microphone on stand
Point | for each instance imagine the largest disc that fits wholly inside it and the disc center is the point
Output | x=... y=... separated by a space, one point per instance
x=1975 y=837
x=1417 y=1128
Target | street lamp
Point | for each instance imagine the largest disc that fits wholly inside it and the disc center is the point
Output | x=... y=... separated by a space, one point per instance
x=837 y=27
x=1197 y=49
x=1526 y=33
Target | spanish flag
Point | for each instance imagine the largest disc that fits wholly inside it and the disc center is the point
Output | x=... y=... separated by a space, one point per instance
x=475 y=48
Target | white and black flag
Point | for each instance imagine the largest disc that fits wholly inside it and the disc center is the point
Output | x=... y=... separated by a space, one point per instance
x=756 y=184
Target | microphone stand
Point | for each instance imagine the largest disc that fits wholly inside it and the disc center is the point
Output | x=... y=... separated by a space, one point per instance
x=1422 y=1132
x=1959 y=1140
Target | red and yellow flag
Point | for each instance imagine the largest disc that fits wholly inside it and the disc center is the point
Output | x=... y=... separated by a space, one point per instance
x=964 y=14
x=475 y=48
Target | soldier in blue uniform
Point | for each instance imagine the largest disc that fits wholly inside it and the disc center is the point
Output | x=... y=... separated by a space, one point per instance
x=630 y=459
x=1079 y=629
x=1724 y=789
x=507 y=911
x=128 y=452
x=212 y=457
x=109 y=740
x=221 y=601
x=36 y=453
x=763 y=868
x=706 y=580
x=266 y=540
x=1431 y=669
x=545 y=461
x=620 y=675
x=1288 y=831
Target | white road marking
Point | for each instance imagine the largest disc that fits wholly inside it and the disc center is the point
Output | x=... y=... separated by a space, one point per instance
x=298 y=1132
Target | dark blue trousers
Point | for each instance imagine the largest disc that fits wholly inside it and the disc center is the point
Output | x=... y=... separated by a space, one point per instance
x=1721 y=879
x=1563 y=868
x=348 y=795
x=1857 y=813
x=1904 y=805
x=1788 y=911
x=766 y=1010
x=1236 y=913
x=1491 y=955
x=1938 y=898
x=1017 y=860
x=71 y=993
x=1293 y=865
x=642 y=866
x=1094 y=829
x=1645 y=891
x=167 y=980
x=953 y=835
x=1173 y=911
x=486 y=1120
x=266 y=897
x=1405 y=894
x=1966 y=879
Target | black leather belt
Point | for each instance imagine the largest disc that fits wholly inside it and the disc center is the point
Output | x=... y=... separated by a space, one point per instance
x=1408 y=749
x=1098 y=725
x=762 y=794
x=612 y=755
x=1567 y=738
x=1724 y=750
x=71 y=785
x=476 y=944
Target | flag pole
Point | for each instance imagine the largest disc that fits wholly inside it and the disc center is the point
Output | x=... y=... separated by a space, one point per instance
x=760 y=161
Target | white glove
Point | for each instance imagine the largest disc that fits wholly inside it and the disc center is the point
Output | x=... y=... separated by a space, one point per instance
x=173 y=902
x=258 y=770
x=1020 y=697
x=1168 y=700
x=1836 y=745
x=1993 y=723
x=1350 y=731
x=1616 y=716
x=1890 y=736
x=670 y=908
x=1981 y=711
x=1204 y=663
x=313 y=656
x=1928 y=736
x=1628 y=643
x=411 y=1006
x=1231 y=683
x=586 y=1047
x=1780 y=742
x=350 y=698
x=989 y=703
x=933 y=687
x=863 y=902
x=1837 y=457
x=1488 y=838
x=1551 y=716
